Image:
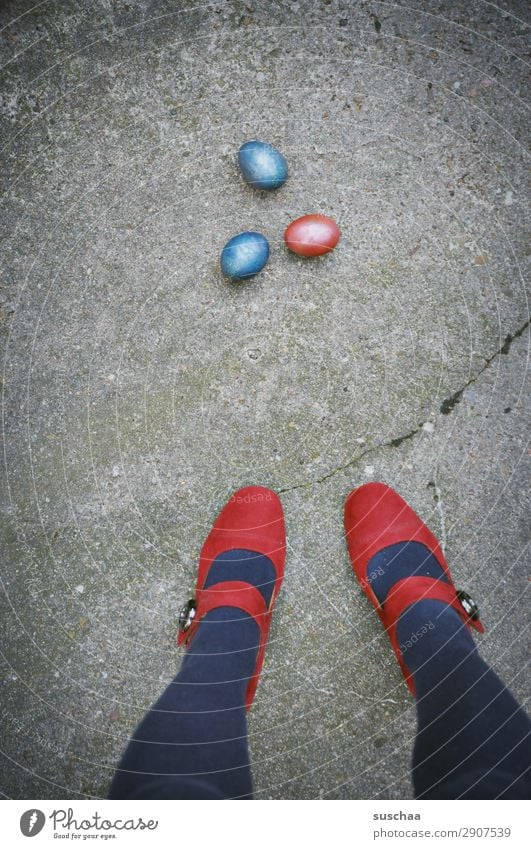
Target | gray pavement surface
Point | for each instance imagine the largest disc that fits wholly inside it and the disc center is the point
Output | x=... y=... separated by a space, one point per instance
x=140 y=388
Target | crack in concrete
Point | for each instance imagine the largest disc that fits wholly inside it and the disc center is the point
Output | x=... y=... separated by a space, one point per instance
x=449 y=403
x=446 y=407
x=393 y=443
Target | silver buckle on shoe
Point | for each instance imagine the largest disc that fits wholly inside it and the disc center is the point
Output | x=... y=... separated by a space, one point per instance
x=468 y=604
x=187 y=615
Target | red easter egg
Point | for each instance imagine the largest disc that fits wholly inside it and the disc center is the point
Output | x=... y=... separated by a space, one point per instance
x=312 y=235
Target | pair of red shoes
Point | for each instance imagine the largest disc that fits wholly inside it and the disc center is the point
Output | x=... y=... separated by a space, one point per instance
x=375 y=518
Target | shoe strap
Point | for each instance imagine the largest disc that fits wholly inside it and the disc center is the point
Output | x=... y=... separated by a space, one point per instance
x=410 y=590
x=238 y=594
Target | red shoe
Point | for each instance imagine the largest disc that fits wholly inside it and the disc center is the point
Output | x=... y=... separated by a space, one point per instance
x=377 y=517
x=252 y=519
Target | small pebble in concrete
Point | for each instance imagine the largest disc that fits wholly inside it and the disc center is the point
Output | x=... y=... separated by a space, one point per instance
x=262 y=165
x=312 y=235
x=244 y=255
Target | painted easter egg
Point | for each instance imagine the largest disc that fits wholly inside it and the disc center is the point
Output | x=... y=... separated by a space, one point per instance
x=312 y=235
x=262 y=165
x=244 y=255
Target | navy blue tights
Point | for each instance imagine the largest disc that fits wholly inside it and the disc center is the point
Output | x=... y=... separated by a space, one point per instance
x=192 y=744
x=473 y=740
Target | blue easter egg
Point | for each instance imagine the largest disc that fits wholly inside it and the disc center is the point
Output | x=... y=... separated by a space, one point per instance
x=262 y=165
x=244 y=255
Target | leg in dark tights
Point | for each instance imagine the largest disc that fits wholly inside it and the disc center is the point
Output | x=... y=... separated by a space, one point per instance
x=193 y=742
x=473 y=739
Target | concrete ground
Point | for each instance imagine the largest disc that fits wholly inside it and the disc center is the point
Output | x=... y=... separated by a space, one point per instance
x=141 y=388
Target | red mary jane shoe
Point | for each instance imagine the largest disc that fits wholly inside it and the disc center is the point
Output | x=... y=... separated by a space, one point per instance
x=377 y=517
x=252 y=519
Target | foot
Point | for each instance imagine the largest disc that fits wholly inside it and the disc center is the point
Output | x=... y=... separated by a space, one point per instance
x=398 y=561
x=241 y=566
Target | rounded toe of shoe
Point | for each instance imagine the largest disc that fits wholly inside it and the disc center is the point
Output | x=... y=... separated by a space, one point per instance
x=251 y=519
x=253 y=507
x=367 y=499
